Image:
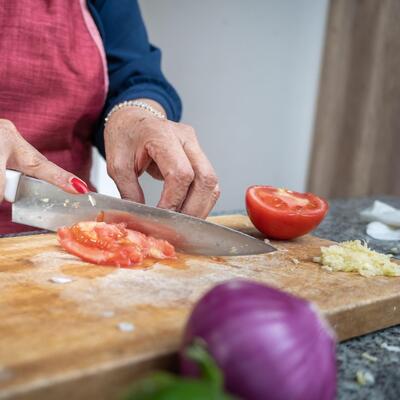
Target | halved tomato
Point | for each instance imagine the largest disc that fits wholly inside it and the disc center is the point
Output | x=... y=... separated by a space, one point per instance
x=112 y=244
x=284 y=214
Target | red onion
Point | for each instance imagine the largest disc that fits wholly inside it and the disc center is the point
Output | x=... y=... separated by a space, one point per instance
x=269 y=344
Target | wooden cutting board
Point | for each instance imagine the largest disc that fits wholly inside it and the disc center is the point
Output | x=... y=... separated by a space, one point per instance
x=63 y=341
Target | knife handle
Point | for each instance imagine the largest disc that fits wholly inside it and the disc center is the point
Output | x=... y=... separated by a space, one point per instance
x=12 y=180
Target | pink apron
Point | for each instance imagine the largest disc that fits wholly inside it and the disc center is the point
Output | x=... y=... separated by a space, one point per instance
x=53 y=81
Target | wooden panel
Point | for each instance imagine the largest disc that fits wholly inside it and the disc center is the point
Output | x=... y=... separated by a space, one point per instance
x=356 y=134
x=62 y=340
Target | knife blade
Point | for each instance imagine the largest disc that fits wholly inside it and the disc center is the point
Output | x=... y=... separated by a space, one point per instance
x=42 y=205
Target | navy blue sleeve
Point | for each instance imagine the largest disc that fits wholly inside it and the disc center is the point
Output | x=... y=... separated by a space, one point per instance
x=134 y=65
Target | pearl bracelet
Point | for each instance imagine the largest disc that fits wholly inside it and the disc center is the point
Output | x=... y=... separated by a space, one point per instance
x=135 y=103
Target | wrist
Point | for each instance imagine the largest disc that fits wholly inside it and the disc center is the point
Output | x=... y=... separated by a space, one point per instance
x=150 y=107
x=157 y=106
x=130 y=119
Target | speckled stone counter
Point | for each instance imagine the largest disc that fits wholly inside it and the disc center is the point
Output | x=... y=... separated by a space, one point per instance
x=344 y=223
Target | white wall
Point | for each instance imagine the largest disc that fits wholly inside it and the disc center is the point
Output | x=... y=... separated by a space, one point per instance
x=247 y=72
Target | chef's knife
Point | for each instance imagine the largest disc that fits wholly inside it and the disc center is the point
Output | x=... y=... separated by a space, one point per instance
x=42 y=205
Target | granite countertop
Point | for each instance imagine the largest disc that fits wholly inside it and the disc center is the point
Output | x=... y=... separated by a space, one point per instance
x=343 y=223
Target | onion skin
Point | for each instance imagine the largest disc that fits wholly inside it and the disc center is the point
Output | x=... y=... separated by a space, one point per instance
x=270 y=345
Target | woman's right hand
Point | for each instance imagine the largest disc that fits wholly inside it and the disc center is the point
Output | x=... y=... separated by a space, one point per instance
x=16 y=153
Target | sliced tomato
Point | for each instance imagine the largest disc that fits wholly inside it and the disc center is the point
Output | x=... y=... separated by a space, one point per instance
x=98 y=234
x=138 y=238
x=155 y=248
x=112 y=244
x=284 y=214
x=93 y=254
x=160 y=249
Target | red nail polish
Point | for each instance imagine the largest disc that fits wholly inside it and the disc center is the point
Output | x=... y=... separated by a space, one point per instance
x=79 y=185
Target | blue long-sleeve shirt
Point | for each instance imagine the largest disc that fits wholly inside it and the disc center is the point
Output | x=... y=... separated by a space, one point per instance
x=134 y=65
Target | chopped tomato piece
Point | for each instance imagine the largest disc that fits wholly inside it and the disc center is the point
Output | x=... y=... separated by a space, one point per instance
x=155 y=248
x=112 y=244
x=98 y=235
x=138 y=238
x=284 y=214
x=158 y=248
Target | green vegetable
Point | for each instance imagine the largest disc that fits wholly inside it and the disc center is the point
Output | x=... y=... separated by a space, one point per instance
x=166 y=386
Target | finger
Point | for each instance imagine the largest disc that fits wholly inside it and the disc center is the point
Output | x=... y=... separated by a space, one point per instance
x=176 y=171
x=154 y=171
x=125 y=177
x=204 y=192
x=30 y=162
x=202 y=211
x=2 y=177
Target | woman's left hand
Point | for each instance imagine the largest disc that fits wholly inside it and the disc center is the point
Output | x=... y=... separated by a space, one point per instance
x=136 y=141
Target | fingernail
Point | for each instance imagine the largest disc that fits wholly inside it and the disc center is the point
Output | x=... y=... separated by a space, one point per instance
x=79 y=185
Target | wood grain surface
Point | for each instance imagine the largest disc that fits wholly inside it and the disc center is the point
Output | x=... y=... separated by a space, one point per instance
x=62 y=341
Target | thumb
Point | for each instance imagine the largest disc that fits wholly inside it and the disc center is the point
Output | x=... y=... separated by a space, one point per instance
x=30 y=162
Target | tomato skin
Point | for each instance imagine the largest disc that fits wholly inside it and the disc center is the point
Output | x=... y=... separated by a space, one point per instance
x=284 y=215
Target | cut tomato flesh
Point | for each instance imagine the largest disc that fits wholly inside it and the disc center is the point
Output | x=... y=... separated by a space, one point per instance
x=137 y=238
x=286 y=200
x=98 y=234
x=90 y=253
x=112 y=244
x=158 y=248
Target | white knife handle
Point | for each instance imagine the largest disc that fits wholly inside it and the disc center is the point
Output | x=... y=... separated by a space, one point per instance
x=12 y=180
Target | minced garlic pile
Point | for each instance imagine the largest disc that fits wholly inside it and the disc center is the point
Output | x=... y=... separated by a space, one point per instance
x=354 y=256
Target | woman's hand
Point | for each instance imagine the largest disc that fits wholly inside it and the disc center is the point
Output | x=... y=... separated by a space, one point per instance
x=137 y=141
x=16 y=153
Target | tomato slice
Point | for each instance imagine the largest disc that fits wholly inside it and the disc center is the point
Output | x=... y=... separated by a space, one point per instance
x=99 y=235
x=160 y=249
x=112 y=244
x=284 y=214
x=95 y=252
